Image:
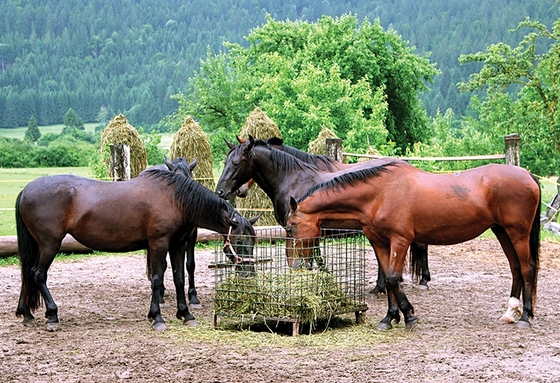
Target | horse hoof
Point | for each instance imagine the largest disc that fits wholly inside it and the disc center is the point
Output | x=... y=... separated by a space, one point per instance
x=523 y=324
x=507 y=319
x=423 y=287
x=191 y=322
x=411 y=325
x=52 y=326
x=159 y=326
x=195 y=306
x=31 y=322
x=382 y=326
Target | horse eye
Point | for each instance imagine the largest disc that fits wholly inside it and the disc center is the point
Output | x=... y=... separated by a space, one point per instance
x=235 y=163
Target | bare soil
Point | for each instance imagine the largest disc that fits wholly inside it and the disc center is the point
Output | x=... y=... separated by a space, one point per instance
x=105 y=335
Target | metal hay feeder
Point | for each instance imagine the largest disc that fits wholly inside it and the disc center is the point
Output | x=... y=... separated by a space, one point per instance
x=266 y=288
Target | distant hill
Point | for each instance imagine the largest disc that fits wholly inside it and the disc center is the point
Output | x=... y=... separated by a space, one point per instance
x=103 y=58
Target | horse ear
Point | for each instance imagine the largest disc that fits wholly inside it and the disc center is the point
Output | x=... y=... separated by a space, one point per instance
x=253 y=220
x=193 y=164
x=167 y=163
x=241 y=140
x=229 y=144
x=293 y=204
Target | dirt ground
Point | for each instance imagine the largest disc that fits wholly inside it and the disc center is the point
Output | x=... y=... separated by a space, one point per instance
x=106 y=337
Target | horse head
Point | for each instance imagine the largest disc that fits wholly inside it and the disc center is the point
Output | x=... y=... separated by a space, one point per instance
x=181 y=165
x=303 y=233
x=238 y=168
x=239 y=243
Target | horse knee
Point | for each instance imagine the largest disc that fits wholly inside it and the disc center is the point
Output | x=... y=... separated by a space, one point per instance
x=393 y=281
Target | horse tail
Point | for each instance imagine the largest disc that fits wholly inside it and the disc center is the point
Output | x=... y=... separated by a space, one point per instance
x=417 y=254
x=534 y=238
x=28 y=251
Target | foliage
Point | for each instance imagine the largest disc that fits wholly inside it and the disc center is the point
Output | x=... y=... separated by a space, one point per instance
x=32 y=133
x=358 y=80
x=104 y=58
x=72 y=120
x=153 y=151
x=523 y=94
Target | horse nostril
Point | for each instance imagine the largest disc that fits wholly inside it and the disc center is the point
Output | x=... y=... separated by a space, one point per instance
x=220 y=192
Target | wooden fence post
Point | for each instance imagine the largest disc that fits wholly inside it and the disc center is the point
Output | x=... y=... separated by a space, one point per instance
x=334 y=148
x=120 y=162
x=512 y=149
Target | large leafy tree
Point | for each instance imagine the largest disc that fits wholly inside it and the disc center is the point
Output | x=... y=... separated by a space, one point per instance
x=523 y=93
x=360 y=81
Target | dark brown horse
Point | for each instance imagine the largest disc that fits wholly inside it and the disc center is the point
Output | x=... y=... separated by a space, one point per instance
x=282 y=174
x=397 y=204
x=155 y=211
x=182 y=165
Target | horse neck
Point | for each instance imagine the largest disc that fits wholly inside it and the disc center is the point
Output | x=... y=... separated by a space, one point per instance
x=328 y=204
x=320 y=162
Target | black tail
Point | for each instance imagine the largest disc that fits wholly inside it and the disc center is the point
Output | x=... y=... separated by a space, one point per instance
x=28 y=253
x=417 y=254
x=535 y=240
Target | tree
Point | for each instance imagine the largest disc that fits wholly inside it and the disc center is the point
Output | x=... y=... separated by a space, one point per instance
x=358 y=80
x=523 y=93
x=72 y=121
x=32 y=133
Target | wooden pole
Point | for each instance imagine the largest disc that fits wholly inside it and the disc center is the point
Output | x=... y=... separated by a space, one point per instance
x=120 y=162
x=512 y=149
x=334 y=149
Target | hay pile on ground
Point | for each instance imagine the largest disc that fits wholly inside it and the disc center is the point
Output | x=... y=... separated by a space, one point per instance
x=304 y=295
x=119 y=131
x=260 y=126
x=190 y=142
x=318 y=146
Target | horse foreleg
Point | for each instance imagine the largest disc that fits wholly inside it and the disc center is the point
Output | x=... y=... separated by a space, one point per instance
x=380 y=287
x=192 y=294
x=177 y=264
x=419 y=254
x=392 y=263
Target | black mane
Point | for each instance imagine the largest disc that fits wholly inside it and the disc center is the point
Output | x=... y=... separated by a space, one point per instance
x=350 y=178
x=198 y=203
x=283 y=160
x=314 y=159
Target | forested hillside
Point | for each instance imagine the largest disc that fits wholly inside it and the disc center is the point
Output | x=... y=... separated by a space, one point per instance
x=102 y=58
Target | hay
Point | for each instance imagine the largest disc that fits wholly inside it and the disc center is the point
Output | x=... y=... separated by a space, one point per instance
x=260 y=126
x=119 y=131
x=303 y=295
x=371 y=151
x=190 y=142
x=318 y=145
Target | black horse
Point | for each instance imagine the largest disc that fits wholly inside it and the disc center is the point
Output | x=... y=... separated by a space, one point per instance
x=155 y=211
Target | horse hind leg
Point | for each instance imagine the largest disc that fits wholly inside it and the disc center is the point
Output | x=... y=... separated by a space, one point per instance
x=513 y=311
x=46 y=257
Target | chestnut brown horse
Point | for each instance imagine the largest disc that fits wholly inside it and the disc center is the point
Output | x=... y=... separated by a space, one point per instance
x=397 y=204
x=155 y=211
x=283 y=172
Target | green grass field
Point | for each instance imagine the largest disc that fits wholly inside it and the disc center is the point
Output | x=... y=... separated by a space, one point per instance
x=20 y=132
x=12 y=181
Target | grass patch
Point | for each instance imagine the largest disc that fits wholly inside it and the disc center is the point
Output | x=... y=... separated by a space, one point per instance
x=20 y=131
x=12 y=181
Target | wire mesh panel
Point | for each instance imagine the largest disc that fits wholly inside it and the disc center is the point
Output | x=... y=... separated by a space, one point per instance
x=273 y=283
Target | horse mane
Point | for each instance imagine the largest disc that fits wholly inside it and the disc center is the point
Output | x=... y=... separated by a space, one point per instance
x=198 y=203
x=350 y=178
x=313 y=159
x=283 y=160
